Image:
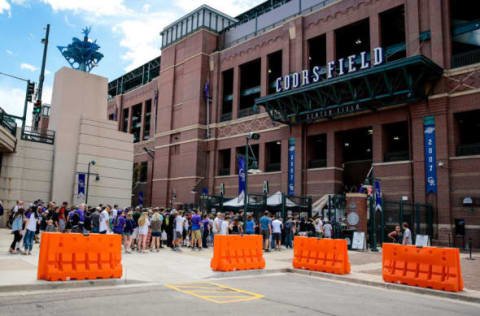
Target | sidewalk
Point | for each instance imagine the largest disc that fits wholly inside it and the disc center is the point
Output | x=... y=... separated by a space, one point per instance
x=167 y=266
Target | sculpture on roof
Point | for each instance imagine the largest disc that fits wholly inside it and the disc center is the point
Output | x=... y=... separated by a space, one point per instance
x=82 y=55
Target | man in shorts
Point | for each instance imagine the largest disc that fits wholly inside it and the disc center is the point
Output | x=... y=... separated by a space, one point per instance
x=277 y=232
x=179 y=225
x=266 y=230
x=196 y=233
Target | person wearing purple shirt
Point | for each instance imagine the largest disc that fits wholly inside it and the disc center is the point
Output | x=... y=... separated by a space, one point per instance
x=196 y=234
x=119 y=224
x=206 y=231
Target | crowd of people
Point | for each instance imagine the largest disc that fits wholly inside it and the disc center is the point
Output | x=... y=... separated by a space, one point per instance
x=151 y=229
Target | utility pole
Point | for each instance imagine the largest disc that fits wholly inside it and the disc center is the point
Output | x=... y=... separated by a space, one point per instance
x=42 y=72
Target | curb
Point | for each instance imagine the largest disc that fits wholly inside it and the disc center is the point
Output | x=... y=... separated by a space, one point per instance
x=58 y=285
x=239 y=273
x=393 y=286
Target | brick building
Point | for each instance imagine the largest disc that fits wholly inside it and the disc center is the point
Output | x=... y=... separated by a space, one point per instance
x=356 y=84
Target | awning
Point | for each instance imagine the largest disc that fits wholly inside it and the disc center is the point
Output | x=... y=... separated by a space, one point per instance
x=402 y=81
x=276 y=200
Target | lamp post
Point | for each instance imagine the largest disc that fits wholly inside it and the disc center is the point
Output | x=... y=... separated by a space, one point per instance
x=254 y=136
x=91 y=163
x=370 y=180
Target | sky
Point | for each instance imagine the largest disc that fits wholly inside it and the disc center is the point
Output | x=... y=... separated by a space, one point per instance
x=128 y=32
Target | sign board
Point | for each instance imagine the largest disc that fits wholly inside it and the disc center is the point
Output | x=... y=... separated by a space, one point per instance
x=422 y=241
x=430 y=155
x=81 y=186
x=291 y=166
x=359 y=242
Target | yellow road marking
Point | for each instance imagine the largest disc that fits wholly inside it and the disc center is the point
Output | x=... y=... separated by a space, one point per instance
x=200 y=289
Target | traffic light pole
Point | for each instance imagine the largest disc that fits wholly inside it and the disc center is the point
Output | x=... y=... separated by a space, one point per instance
x=42 y=73
x=25 y=106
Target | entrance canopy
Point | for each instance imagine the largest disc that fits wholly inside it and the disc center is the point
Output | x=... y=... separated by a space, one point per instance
x=402 y=81
x=276 y=200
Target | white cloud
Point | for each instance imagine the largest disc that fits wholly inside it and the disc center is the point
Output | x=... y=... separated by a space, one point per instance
x=26 y=66
x=4 y=6
x=146 y=7
x=47 y=72
x=94 y=7
x=141 y=37
x=9 y=52
x=19 y=2
x=12 y=100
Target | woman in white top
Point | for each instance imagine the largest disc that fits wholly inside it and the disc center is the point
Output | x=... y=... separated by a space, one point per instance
x=29 y=232
x=143 y=224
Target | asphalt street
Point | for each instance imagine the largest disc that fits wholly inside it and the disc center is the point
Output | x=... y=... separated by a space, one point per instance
x=275 y=294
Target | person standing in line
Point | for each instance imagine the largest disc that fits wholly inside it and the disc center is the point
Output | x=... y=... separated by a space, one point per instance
x=115 y=211
x=225 y=226
x=407 y=234
x=128 y=232
x=156 y=227
x=119 y=224
x=136 y=216
x=196 y=232
x=206 y=230
x=29 y=232
x=277 y=232
x=289 y=232
x=266 y=230
x=179 y=226
x=17 y=226
x=327 y=228
x=396 y=235
x=318 y=227
x=250 y=226
x=95 y=220
x=217 y=223
x=61 y=217
x=143 y=224
x=104 y=224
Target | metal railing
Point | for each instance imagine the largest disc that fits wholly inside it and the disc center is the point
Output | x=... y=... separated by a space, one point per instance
x=467 y=58
x=39 y=135
x=468 y=149
x=8 y=122
x=247 y=112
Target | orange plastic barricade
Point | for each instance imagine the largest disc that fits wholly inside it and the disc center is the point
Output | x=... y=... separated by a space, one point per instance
x=235 y=252
x=437 y=268
x=77 y=257
x=325 y=255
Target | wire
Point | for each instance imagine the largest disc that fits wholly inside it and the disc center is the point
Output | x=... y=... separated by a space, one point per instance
x=12 y=76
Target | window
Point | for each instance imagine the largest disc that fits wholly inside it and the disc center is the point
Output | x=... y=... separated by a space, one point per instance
x=224 y=162
x=396 y=142
x=148 y=117
x=274 y=70
x=143 y=171
x=227 y=77
x=125 y=121
x=136 y=122
x=468 y=133
x=357 y=144
x=392 y=28
x=111 y=117
x=317 y=51
x=249 y=87
x=465 y=33
x=253 y=163
x=317 y=151
x=352 y=39
x=273 y=153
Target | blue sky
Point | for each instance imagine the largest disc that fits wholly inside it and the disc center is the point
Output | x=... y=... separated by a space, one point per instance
x=127 y=31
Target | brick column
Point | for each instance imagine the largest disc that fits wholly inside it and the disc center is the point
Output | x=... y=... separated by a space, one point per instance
x=412 y=27
x=129 y=119
x=378 y=143
x=142 y=120
x=435 y=14
x=233 y=160
x=264 y=76
x=374 y=31
x=262 y=158
x=334 y=150
x=330 y=38
x=236 y=91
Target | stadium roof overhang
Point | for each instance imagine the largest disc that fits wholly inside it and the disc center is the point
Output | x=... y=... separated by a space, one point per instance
x=402 y=81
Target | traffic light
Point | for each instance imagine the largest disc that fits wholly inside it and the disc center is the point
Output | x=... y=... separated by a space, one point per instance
x=37 y=108
x=30 y=90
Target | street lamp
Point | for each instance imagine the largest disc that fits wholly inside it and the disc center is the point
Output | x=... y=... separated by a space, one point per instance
x=254 y=136
x=97 y=178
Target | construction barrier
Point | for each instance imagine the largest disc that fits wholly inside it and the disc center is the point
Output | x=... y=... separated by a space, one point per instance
x=431 y=267
x=325 y=255
x=78 y=257
x=235 y=252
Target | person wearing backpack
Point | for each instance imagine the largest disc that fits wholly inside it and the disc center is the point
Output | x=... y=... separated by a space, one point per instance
x=17 y=225
x=29 y=231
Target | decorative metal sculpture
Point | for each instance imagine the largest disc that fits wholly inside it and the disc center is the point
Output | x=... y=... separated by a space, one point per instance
x=82 y=55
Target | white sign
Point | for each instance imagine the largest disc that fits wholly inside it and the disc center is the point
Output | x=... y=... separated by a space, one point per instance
x=333 y=69
x=422 y=241
x=359 y=241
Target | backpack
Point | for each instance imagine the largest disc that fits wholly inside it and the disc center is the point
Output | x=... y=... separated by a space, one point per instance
x=10 y=219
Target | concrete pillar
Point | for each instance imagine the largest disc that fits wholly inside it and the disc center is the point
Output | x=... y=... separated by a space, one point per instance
x=236 y=92
x=378 y=143
x=129 y=125
x=142 y=120
x=436 y=24
x=374 y=31
x=334 y=150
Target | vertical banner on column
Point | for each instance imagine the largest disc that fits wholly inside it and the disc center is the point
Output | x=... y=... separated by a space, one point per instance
x=430 y=155
x=81 y=186
x=140 y=198
x=378 y=197
x=291 y=166
x=241 y=175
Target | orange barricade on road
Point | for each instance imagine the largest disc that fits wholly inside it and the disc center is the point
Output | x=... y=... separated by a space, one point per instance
x=77 y=257
x=235 y=252
x=326 y=255
x=437 y=268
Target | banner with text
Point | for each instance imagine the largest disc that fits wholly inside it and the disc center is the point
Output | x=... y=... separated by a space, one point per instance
x=291 y=166
x=430 y=156
x=241 y=175
x=81 y=186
